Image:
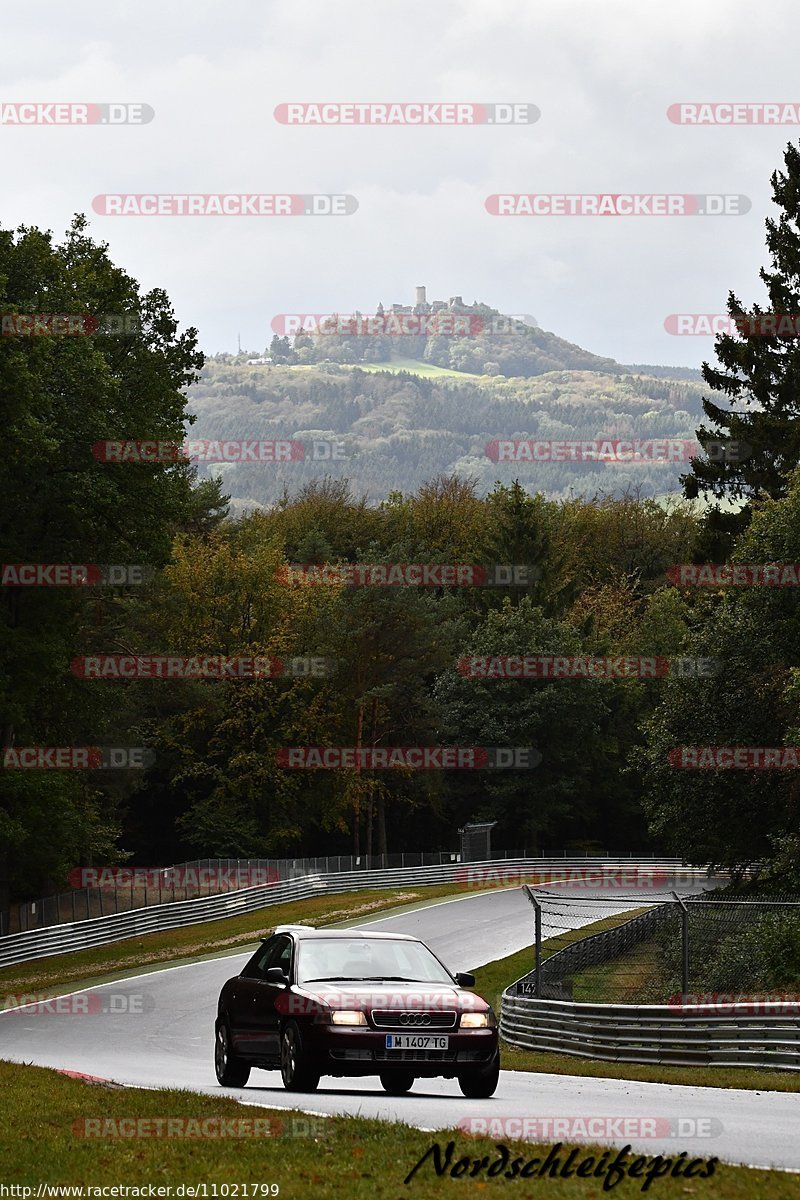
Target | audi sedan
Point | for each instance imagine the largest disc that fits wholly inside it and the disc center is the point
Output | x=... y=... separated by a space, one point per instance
x=345 y=1003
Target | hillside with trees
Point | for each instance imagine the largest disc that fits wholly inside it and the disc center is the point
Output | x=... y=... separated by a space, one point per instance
x=399 y=429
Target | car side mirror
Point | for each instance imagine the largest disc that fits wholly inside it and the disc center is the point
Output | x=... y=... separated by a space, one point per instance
x=275 y=975
x=465 y=979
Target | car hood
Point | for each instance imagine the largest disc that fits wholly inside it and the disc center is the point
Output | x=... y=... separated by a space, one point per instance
x=398 y=997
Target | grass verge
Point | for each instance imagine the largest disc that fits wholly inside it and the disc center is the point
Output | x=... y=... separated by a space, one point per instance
x=415 y=367
x=43 y=1140
x=631 y=978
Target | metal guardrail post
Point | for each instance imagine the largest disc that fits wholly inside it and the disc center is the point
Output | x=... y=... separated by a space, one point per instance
x=684 y=948
x=537 y=961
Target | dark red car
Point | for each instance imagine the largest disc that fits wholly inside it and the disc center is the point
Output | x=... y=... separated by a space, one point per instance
x=342 y=1002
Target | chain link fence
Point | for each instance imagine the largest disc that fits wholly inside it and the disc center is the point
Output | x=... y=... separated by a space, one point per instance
x=708 y=950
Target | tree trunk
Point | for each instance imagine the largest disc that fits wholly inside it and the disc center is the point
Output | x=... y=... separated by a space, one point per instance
x=5 y=893
x=6 y=740
x=357 y=805
x=369 y=823
x=381 y=825
x=370 y=798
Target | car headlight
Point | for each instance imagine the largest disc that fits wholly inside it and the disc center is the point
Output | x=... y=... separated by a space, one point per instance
x=477 y=1020
x=345 y=1016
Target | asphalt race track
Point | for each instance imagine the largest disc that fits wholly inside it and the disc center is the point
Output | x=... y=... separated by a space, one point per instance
x=156 y=1030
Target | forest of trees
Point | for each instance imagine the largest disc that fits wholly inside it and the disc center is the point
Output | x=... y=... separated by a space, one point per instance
x=601 y=585
x=399 y=430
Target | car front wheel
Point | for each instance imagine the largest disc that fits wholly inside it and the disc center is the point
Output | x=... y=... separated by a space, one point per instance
x=297 y=1074
x=479 y=1085
x=231 y=1070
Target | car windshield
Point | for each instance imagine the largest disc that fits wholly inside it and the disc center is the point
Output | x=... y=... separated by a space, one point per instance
x=376 y=960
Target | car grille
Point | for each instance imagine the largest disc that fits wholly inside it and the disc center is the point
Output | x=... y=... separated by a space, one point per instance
x=413 y=1020
x=472 y=1056
x=415 y=1055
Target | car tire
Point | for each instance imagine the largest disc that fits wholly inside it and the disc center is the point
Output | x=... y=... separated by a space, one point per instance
x=397 y=1083
x=231 y=1070
x=479 y=1085
x=297 y=1074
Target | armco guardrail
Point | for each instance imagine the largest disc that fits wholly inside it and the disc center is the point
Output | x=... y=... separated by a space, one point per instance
x=734 y=1035
x=66 y=938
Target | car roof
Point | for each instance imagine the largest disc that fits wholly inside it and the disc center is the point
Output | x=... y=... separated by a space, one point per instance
x=306 y=933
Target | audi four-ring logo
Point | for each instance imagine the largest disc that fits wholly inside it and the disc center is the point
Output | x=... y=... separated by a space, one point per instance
x=415 y=1018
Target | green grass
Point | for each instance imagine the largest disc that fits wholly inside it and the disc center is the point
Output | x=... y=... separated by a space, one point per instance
x=59 y=973
x=336 y=1157
x=495 y=977
x=631 y=978
x=415 y=367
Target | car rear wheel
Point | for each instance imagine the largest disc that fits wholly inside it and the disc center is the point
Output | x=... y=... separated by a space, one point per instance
x=297 y=1074
x=231 y=1070
x=479 y=1085
x=397 y=1083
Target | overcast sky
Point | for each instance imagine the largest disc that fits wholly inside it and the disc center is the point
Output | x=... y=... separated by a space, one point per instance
x=602 y=74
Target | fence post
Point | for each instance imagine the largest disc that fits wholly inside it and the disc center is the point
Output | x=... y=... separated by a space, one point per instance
x=537 y=961
x=684 y=948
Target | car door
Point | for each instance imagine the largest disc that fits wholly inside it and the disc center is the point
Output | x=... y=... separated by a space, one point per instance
x=242 y=999
x=266 y=1018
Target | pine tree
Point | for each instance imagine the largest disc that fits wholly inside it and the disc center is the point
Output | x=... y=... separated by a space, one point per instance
x=755 y=441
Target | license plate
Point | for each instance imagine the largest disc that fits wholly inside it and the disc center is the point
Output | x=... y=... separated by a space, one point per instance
x=416 y=1041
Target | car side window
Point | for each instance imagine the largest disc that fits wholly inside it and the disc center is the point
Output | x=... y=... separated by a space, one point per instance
x=260 y=961
x=282 y=957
